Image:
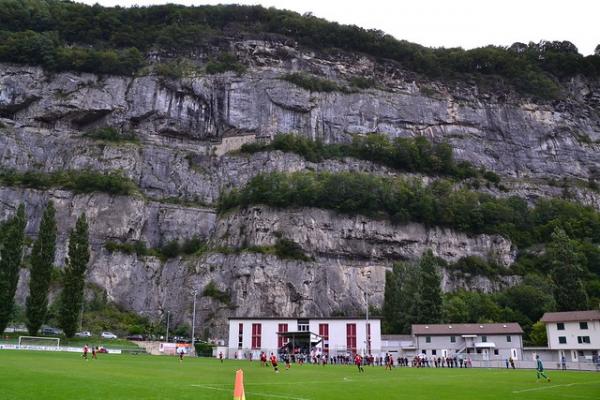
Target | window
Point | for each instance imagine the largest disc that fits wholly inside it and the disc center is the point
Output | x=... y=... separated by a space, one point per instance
x=452 y=339
x=433 y=352
x=508 y=339
x=256 y=335
x=496 y=352
x=302 y=325
x=580 y=353
x=424 y=352
x=484 y=339
x=583 y=339
x=427 y=339
x=583 y=325
x=562 y=339
x=324 y=333
x=560 y=326
x=240 y=336
x=351 y=338
x=282 y=340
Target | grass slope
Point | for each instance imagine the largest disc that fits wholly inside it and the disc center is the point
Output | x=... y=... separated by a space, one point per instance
x=37 y=375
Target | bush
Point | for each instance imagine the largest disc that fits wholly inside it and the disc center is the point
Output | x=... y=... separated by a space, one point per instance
x=313 y=83
x=224 y=62
x=288 y=249
x=110 y=134
x=211 y=290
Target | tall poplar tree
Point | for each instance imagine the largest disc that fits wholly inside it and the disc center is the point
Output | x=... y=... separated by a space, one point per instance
x=11 y=256
x=430 y=307
x=42 y=258
x=567 y=271
x=74 y=277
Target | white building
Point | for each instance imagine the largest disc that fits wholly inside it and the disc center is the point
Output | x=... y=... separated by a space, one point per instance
x=573 y=334
x=497 y=341
x=249 y=336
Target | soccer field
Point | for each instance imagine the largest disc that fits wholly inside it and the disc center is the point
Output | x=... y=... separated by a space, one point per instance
x=46 y=375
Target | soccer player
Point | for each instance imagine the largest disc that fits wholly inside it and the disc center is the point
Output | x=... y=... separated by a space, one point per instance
x=221 y=356
x=274 y=363
x=287 y=361
x=181 y=355
x=85 y=352
x=540 y=368
x=94 y=353
x=263 y=359
x=358 y=362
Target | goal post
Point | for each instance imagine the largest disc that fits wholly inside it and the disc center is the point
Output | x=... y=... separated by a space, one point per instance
x=50 y=343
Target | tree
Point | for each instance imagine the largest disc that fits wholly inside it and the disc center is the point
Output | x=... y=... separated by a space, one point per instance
x=11 y=255
x=73 y=281
x=538 y=335
x=42 y=257
x=400 y=298
x=430 y=310
x=566 y=265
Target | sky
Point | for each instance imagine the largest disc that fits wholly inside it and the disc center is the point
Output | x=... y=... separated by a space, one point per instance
x=447 y=23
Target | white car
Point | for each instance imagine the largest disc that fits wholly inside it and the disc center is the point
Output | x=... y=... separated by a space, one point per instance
x=83 y=334
x=108 y=335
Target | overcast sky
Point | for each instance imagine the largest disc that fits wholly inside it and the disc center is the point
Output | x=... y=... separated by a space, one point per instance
x=448 y=23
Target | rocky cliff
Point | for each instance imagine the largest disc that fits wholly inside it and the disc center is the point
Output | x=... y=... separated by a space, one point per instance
x=184 y=129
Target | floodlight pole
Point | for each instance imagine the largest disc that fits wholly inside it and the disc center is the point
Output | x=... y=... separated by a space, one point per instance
x=194 y=293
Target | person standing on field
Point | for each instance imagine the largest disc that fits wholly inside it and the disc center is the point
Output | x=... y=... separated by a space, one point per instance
x=540 y=369
x=85 y=352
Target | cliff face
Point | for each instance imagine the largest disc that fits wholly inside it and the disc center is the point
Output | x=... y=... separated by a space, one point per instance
x=186 y=126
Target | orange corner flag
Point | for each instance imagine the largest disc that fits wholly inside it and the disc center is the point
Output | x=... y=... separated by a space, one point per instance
x=238 y=390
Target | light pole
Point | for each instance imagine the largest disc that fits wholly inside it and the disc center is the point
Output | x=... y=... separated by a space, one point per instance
x=194 y=293
x=168 y=314
x=367 y=325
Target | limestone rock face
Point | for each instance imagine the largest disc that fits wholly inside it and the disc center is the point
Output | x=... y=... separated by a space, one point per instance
x=180 y=171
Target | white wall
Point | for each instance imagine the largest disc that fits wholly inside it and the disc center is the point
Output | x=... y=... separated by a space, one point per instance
x=571 y=332
x=337 y=333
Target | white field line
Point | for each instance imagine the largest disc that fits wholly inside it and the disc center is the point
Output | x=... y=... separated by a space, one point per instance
x=555 y=386
x=277 y=396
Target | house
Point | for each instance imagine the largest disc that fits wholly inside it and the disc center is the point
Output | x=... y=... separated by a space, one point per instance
x=398 y=345
x=497 y=341
x=573 y=334
x=248 y=336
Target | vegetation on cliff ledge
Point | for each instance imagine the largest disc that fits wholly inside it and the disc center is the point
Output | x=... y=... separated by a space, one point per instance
x=403 y=154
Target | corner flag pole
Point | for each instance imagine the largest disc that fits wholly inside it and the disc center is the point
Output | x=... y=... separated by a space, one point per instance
x=238 y=390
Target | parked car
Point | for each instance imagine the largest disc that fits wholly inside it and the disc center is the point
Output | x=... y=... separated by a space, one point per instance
x=84 y=334
x=49 y=331
x=136 y=337
x=108 y=335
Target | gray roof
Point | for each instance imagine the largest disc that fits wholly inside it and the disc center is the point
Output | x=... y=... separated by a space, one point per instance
x=570 y=316
x=402 y=338
x=467 y=329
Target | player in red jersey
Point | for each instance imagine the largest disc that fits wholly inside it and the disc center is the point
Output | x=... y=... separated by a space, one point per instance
x=274 y=363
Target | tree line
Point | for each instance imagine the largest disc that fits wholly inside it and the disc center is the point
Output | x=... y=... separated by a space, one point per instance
x=413 y=294
x=65 y=35
x=416 y=154
x=12 y=249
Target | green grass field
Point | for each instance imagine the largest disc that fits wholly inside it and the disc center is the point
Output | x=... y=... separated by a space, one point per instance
x=47 y=375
